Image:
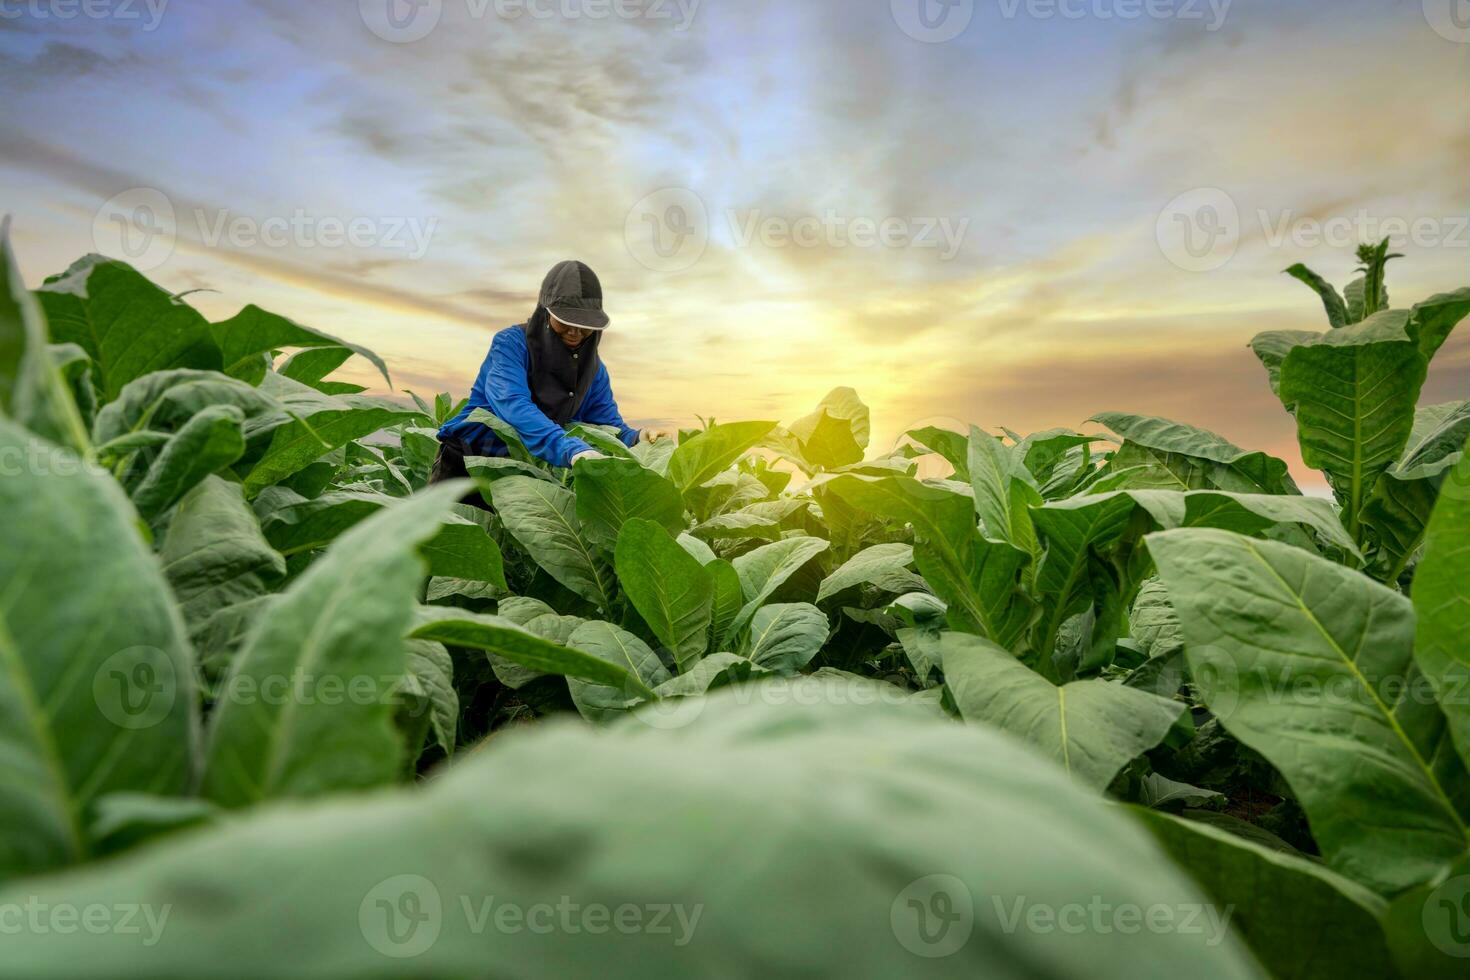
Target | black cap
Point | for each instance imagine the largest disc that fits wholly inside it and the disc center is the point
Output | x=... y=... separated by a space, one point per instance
x=573 y=294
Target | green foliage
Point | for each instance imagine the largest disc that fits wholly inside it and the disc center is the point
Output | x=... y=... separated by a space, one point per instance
x=1158 y=616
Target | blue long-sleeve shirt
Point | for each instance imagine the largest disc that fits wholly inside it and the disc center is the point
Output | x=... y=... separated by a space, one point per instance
x=503 y=388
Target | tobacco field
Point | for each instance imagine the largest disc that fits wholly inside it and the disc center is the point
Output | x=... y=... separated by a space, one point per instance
x=845 y=713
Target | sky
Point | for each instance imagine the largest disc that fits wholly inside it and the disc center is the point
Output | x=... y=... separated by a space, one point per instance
x=1011 y=213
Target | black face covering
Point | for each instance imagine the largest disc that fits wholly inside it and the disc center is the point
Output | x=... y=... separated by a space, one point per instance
x=560 y=376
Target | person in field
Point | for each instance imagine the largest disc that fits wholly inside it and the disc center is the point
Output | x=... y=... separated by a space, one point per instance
x=542 y=377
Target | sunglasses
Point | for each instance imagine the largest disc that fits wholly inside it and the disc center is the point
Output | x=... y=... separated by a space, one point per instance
x=567 y=330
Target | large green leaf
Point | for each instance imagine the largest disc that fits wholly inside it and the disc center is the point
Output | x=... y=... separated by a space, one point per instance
x=293 y=524
x=1302 y=921
x=253 y=332
x=910 y=845
x=32 y=390
x=96 y=679
x=884 y=566
x=953 y=446
x=1429 y=926
x=603 y=702
x=312 y=365
x=1090 y=540
x=765 y=569
x=1353 y=392
x=726 y=601
x=542 y=517
x=1397 y=514
x=214 y=554
x=430 y=680
x=464 y=549
x=207 y=443
x=127 y=325
x=835 y=434
x=1195 y=459
x=1005 y=491
x=707 y=453
x=611 y=492
x=506 y=433
x=1431 y=321
x=669 y=588
x=1153 y=624
x=319 y=423
x=1337 y=313
x=785 y=636
x=979 y=580
x=1272 y=347
x=165 y=401
x=1075 y=533
x=1442 y=602
x=520 y=645
x=1091 y=728
x=291 y=719
x=1311 y=665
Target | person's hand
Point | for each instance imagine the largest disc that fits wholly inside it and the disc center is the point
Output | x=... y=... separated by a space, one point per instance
x=587 y=454
x=652 y=435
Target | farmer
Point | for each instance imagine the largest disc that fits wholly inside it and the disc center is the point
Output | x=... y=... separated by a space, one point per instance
x=541 y=377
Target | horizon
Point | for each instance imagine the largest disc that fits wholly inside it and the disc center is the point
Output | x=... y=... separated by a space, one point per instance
x=1009 y=252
